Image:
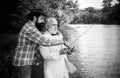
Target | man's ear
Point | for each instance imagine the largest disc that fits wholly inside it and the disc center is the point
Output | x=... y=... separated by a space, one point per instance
x=34 y=19
x=46 y=26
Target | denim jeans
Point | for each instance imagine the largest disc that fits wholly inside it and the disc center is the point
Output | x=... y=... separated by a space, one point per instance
x=33 y=71
x=24 y=71
x=37 y=71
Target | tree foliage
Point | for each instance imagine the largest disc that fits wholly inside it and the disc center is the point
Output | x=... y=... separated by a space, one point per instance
x=71 y=13
x=111 y=14
x=49 y=6
x=88 y=16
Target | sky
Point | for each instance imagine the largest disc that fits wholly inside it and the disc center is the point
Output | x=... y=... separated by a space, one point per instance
x=91 y=3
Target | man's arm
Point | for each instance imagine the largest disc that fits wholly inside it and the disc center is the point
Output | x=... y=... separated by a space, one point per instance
x=55 y=42
x=34 y=35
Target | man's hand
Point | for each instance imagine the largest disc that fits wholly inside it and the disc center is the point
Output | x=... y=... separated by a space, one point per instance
x=71 y=50
x=66 y=43
x=64 y=51
x=68 y=51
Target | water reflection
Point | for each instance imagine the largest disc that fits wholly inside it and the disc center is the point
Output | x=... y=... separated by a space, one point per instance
x=99 y=55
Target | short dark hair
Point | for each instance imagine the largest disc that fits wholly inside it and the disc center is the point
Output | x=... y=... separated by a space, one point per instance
x=36 y=13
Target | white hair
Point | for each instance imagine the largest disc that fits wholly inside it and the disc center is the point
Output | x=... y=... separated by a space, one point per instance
x=50 y=20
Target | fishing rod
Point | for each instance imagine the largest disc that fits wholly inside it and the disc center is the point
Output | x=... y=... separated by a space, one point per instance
x=80 y=35
x=70 y=50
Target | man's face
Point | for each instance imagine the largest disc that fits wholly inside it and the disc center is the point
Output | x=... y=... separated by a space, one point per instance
x=52 y=26
x=40 y=23
x=41 y=19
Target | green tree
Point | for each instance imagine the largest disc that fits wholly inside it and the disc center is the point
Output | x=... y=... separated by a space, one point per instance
x=88 y=16
x=73 y=6
x=111 y=14
x=49 y=6
x=115 y=13
x=90 y=9
x=106 y=5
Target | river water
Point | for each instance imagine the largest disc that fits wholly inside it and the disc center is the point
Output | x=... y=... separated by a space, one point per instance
x=98 y=53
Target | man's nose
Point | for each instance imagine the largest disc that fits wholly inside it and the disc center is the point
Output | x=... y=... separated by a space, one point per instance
x=56 y=26
x=43 y=21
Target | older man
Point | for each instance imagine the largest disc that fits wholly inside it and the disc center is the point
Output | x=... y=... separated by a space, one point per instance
x=54 y=58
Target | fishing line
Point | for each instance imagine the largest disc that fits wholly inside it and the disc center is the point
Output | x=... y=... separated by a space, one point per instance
x=80 y=35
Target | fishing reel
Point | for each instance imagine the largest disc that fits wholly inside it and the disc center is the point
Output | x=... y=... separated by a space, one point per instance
x=69 y=50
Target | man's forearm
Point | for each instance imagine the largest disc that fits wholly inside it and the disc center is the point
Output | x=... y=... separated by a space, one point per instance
x=37 y=37
x=55 y=42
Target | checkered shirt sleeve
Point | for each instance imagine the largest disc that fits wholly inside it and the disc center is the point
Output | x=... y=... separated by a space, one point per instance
x=33 y=34
x=29 y=40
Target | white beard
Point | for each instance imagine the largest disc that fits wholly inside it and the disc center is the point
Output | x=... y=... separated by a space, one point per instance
x=53 y=31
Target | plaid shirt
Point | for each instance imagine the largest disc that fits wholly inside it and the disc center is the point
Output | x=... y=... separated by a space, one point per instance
x=29 y=40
